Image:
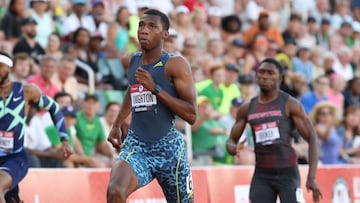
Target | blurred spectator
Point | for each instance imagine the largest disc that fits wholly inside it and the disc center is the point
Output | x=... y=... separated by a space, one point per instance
x=302 y=63
x=250 y=13
x=45 y=24
x=171 y=43
x=21 y=68
x=341 y=15
x=229 y=87
x=54 y=46
x=77 y=18
x=322 y=10
x=99 y=17
x=355 y=7
x=213 y=55
x=342 y=64
x=354 y=39
x=340 y=37
x=259 y=48
x=335 y=95
x=293 y=28
x=328 y=63
x=273 y=49
x=77 y=159
x=226 y=7
x=214 y=22
x=324 y=118
x=27 y=42
x=319 y=93
x=323 y=35
x=349 y=133
x=234 y=53
x=11 y=21
x=247 y=87
x=117 y=34
x=312 y=26
x=181 y=24
x=297 y=87
x=228 y=119
x=213 y=92
x=305 y=38
x=263 y=27
x=231 y=28
x=90 y=132
x=191 y=51
x=64 y=78
x=107 y=120
x=352 y=93
x=208 y=135
x=286 y=56
x=37 y=144
x=199 y=29
x=48 y=68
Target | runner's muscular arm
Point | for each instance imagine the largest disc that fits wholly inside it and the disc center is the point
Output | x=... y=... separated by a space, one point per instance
x=115 y=134
x=237 y=129
x=303 y=124
x=125 y=106
x=178 y=69
x=306 y=129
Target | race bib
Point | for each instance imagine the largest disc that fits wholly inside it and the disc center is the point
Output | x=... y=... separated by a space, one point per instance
x=6 y=141
x=267 y=133
x=141 y=98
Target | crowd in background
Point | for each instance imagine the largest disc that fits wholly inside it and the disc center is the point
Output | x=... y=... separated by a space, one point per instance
x=317 y=41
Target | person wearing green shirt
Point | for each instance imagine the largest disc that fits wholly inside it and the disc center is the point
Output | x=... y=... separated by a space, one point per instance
x=89 y=130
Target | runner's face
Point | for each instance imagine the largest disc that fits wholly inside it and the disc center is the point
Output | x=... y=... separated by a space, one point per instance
x=268 y=77
x=4 y=73
x=150 y=32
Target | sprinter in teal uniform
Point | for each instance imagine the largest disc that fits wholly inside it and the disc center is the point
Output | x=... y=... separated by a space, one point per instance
x=161 y=86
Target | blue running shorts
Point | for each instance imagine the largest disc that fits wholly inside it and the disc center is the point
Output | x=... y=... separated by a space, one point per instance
x=164 y=160
x=16 y=165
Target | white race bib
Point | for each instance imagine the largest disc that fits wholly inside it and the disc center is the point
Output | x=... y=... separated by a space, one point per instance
x=141 y=98
x=266 y=133
x=6 y=141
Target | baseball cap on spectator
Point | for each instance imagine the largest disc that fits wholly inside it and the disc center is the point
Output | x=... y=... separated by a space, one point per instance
x=232 y=67
x=346 y=23
x=290 y=41
x=238 y=43
x=245 y=79
x=91 y=96
x=96 y=2
x=77 y=2
x=237 y=102
x=182 y=9
x=28 y=20
x=97 y=34
x=311 y=19
x=144 y=4
x=69 y=111
x=214 y=11
x=325 y=21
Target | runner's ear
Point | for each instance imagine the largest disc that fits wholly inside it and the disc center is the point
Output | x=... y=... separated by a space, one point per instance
x=165 y=34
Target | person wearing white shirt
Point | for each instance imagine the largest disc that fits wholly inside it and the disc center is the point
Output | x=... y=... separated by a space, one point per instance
x=342 y=63
x=78 y=19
